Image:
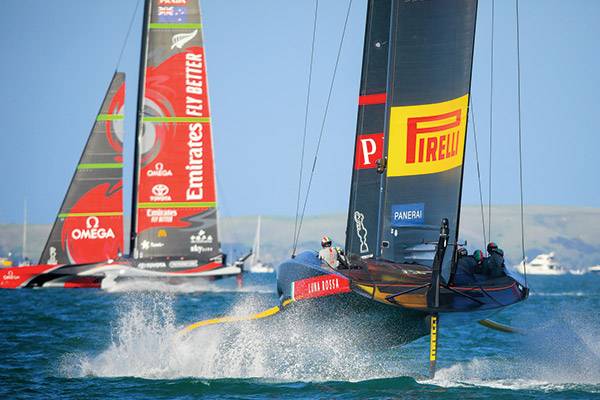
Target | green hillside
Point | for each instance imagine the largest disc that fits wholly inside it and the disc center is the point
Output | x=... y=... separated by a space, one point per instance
x=573 y=233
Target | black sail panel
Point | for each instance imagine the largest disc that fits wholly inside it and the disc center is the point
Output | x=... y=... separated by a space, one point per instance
x=175 y=206
x=430 y=67
x=363 y=224
x=89 y=226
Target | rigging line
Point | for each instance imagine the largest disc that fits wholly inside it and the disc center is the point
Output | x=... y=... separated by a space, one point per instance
x=491 y=125
x=520 y=142
x=137 y=5
x=472 y=110
x=314 y=165
x=310 y=72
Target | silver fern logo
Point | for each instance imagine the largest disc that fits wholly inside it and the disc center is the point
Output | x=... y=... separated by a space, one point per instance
x=181 y=39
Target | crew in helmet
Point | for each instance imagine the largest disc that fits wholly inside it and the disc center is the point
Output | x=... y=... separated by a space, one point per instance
x=465 y=266
x=329 y=254
x=494 y=263
x=479 y=259
x=326 y=242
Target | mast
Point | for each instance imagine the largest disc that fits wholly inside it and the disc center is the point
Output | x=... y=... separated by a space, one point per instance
x=139 y=126
x=256 y=247
x=24 y=252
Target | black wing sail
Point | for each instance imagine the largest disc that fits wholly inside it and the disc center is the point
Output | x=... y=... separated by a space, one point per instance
x=431 y=59
x=363 y=224
x=89 y=225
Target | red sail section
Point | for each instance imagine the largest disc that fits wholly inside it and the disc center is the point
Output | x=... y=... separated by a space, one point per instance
x=176 y=200
x=178 y=181
x=89 y=226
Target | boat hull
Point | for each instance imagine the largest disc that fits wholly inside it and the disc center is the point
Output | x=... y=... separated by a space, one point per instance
x=98 y=275
x=363 y=293
x=377 y=323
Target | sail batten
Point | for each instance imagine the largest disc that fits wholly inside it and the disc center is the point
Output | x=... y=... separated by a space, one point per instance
x=175 y=204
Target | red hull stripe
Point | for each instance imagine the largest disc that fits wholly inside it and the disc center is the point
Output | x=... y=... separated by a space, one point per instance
x=369 y=99
x=202 y=268
x=84 y=282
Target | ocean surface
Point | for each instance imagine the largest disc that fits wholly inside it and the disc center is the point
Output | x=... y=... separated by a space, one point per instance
x=124 y=343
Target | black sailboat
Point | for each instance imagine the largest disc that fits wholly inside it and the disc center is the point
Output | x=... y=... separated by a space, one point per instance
x=403 y=220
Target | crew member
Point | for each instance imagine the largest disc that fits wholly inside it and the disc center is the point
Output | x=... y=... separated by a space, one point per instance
x=330 y=255
x=465 y=266
x=494 y=263
x=479 y=259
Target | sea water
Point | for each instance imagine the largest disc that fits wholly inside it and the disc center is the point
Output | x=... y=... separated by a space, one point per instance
x=125 y=343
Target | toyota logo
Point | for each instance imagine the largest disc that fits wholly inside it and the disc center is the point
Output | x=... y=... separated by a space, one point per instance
x=160 y=190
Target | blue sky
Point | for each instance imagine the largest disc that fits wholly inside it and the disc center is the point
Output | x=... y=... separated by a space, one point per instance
x=59 y=57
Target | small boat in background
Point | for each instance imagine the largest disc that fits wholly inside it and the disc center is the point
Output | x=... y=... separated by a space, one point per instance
x=578 y=271
x=543 y=264
x=256 y=265
x=594 y=270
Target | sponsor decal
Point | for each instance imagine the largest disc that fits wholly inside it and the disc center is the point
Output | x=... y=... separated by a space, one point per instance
x=147 y=245
x=199 y=249
x=201 y=238
x=183 y=264
x=198 y=241
x=361 y=231
x=369 y=149
x=160 y=192
x=158 y=216
x=427 y=139
x=52 y=256
x=93 y=231
x=170 y=14
x=195 y=87
x=152 y=265
x=162 y=233
x=172 y=2
x=408 y=214
x=319 y=286
x=181 y=39
x=10 y=276
x=159 y=171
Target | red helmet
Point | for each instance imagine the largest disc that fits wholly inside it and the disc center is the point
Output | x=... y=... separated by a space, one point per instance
x=478 y=256
x=326 y=241
x=491 y=247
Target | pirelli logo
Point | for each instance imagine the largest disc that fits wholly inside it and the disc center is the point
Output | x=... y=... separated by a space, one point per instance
x=427 y=139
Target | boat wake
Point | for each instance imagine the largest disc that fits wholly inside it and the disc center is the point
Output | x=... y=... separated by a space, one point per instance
x=146 y=343
x=199 y=286
x=561 y=355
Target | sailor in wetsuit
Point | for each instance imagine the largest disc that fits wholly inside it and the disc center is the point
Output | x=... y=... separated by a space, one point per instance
x=479 y=259
x=332 y=256
x=465 y=266
x=493 y=265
